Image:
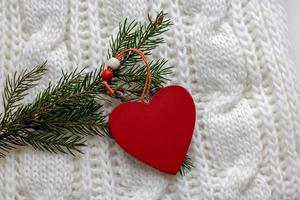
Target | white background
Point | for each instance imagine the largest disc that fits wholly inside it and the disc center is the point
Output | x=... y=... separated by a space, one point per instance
x=293 y=12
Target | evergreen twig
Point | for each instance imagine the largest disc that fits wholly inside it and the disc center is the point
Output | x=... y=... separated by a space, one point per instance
x=186 y=165
x=16 y=87
x=60 y=116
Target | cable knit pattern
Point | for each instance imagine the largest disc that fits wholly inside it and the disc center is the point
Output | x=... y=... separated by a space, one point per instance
x=232 y=55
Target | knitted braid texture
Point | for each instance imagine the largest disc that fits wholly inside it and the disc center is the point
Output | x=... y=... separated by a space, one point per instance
x=232 y=55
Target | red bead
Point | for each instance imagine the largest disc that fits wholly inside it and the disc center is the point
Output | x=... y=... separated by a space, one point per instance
x=107 y=75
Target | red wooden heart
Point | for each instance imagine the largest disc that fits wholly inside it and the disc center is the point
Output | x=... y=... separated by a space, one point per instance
x=158 y=133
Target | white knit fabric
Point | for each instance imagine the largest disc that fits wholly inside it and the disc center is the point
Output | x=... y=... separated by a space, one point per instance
x=232 y=55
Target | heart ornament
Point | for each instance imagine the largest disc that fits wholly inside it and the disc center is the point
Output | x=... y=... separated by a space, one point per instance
x=157 y=132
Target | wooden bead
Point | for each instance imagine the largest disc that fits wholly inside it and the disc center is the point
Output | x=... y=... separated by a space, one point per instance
x=113 y=63
x=107 y=75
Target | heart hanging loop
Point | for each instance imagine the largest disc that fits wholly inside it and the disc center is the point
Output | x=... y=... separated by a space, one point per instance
x=147 y=87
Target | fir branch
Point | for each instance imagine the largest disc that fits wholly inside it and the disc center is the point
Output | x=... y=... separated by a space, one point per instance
x=60 y=116
x=55 y=143
x=187 y=165
x=130 y=78
x=70 y=105
x=145 y=37
x=15 y=89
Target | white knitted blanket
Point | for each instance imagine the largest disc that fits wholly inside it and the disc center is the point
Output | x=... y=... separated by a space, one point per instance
x=232 y=55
